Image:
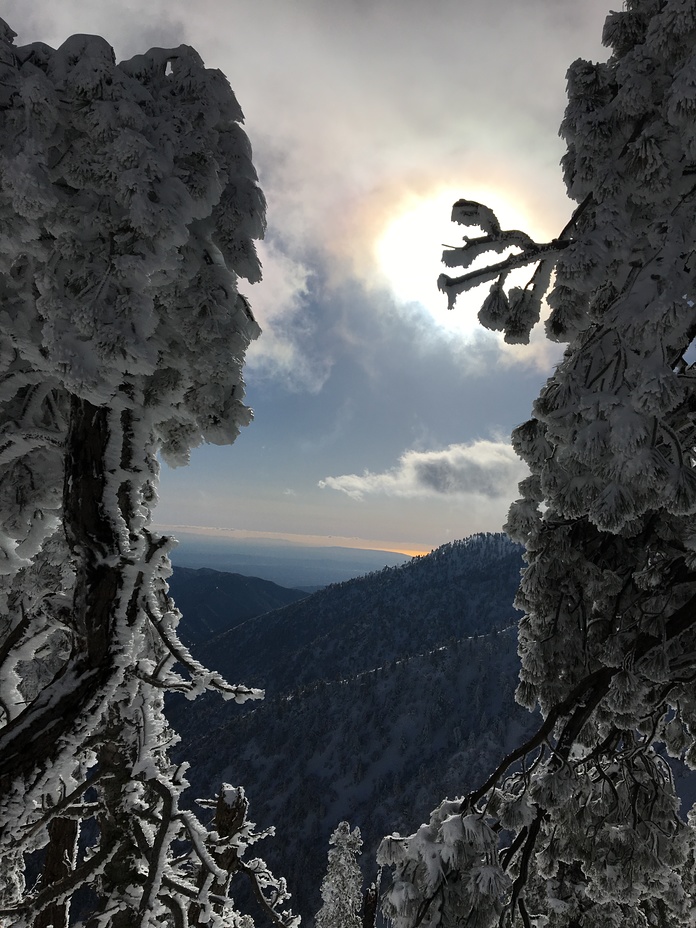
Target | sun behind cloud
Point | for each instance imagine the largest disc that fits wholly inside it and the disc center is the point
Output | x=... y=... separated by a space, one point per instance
x=409 y=248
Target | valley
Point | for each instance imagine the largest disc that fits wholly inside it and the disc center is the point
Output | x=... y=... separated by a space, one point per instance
x=384 y=694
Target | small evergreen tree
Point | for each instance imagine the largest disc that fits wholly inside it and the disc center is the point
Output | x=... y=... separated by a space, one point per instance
x=341 y=888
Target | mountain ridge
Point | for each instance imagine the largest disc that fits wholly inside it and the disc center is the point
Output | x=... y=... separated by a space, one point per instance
x=363 y=608
x=212 y=601
x=384 y=694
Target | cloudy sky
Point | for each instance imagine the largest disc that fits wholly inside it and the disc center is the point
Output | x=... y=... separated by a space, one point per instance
x=381 y=419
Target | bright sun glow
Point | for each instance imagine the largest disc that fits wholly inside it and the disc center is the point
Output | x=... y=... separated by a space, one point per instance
x=409 y=251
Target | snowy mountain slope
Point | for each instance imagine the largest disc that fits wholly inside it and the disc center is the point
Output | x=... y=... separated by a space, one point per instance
x=212 y=602
x=379 y=749
x=463 y=588
x=384 y=694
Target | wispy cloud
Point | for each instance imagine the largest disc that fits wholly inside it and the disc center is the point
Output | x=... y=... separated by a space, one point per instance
x=482 y=468
x=341 y=148
x=280 y=304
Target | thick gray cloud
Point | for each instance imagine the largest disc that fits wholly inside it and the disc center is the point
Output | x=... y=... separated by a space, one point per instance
x=481 y=468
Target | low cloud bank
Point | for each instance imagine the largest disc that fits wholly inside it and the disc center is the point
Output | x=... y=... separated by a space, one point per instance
x=482 y=468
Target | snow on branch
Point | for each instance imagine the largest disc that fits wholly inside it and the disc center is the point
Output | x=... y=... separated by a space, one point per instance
x=514 y=313
x=581 y=825
x=129 y=210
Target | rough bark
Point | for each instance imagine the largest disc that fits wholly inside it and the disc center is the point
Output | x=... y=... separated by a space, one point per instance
x=33 y=738
x=59 y=863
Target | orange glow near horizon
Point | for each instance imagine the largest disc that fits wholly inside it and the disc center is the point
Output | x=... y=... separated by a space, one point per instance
x=322 y=541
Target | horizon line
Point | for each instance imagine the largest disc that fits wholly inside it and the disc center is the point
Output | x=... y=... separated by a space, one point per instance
x=409 y=549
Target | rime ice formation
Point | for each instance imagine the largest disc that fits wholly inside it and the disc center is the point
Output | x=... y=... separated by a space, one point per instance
x=608 y=638
x=128 y=211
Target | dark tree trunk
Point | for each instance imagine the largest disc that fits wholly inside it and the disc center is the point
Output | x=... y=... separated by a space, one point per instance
x=33 y=740
x=89 y=527
x=369 y=914
x=33 y=737
x=59 y=863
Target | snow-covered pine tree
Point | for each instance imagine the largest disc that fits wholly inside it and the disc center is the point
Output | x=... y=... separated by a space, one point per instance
x=128 y=209
x=341 y=888
x=586 y=810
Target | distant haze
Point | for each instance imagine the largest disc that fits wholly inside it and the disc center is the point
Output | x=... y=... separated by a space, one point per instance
x=285 y=563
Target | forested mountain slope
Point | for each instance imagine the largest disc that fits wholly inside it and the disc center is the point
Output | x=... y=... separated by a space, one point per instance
x=212 y=601
x=383 y=694
x=378 y=749
x=463 y=588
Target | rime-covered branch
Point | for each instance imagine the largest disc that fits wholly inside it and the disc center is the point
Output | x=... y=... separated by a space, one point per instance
x=581 y=824
x=129 y=208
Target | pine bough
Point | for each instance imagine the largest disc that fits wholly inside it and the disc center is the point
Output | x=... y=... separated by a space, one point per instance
x=128 y=210
x=581 y=826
